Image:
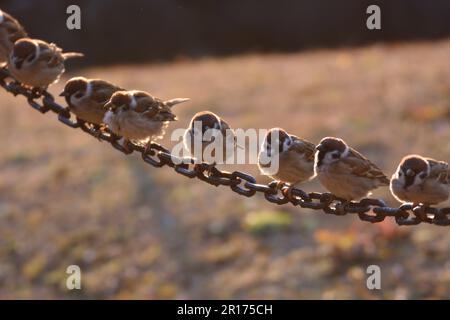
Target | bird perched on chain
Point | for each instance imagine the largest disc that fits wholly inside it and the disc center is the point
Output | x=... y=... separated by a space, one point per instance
x=207 y=136
x=421 y=180
x=294 y=157
x=137 y=115
x=10 y=31
x=344 y=171
x=86 y=98
x=36 y=63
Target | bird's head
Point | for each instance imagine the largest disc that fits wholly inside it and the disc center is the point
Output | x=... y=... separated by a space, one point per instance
x=413 y=170
x=24 y=52
x=75 y=89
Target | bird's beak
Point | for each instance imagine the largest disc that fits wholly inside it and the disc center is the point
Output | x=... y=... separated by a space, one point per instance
x=63 y=94
x=319 y=147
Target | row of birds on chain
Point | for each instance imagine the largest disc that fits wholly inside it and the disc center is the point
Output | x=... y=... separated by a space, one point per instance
x=139 y=116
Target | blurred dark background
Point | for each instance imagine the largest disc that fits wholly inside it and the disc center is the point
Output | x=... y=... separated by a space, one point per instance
x=117 y=31
x=142 y=233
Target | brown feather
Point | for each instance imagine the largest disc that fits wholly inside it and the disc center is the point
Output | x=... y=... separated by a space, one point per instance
x=103 y=90
x=304 y=147
x=152 y=107
x=363 y=167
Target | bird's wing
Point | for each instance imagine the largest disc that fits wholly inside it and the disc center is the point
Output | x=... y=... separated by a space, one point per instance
x=155 y=109
x=50 y=53
x=103 y=91
x=150 y=104
x=304 y=147
x=439 y=170
x=363 y=167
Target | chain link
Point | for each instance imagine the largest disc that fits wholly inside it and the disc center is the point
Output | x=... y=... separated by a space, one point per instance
x=370 y=210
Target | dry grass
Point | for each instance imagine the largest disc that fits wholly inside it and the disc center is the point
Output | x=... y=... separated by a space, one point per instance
x=139 y=232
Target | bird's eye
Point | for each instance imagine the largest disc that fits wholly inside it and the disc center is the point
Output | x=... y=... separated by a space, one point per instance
x=79 y=95
x=400 y=173
x=423 y=175
x=335 y=155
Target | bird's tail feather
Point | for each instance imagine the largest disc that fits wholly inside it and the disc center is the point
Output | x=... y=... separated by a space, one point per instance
x=70 y=55
x=175 y=101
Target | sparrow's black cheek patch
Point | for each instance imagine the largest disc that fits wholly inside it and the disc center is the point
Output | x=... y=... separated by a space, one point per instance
x=269 y=137
x=18 y=64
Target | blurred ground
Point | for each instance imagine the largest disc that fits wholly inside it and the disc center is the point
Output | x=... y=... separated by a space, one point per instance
x=138 y=232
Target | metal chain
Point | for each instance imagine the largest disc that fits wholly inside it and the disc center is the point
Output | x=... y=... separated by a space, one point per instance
x=371 y=210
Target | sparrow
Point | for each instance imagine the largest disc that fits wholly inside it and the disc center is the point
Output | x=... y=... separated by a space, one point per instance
x=421 y=180
x=344 y=171
x=10 y=32
x=86 y=98
x=137 y=115
x=36 y=63
x=208 y=129
x=295 y=157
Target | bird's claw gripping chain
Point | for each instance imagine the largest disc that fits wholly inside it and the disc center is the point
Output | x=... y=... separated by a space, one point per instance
x=370 y=210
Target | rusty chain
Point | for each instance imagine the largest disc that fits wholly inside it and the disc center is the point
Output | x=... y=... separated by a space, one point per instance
x=371 y=210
